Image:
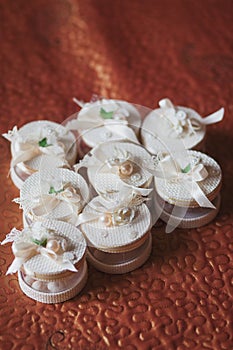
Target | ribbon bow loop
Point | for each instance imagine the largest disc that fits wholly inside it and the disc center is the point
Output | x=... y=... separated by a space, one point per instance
x=25 y=246
x=103 y=113
x=189 y=177
x=47 y=202
x=44 y=141
x=182 y=122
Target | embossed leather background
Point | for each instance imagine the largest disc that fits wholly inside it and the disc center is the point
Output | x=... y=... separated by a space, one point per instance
x=140 y=51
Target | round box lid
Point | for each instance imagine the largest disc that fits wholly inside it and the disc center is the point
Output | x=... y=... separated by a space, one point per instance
x=118 y=162
x=116 y=237
x=47 y=144
x=105 y=116
x=47 y=250
x=170 y=122
x=54 y=194
x=181 y=187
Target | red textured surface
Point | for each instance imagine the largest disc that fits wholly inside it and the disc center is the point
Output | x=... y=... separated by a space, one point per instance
x=140 y=51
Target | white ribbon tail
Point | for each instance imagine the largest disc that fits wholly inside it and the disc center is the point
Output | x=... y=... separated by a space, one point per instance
x=84 y=218
x=156 y=208
x=123 y=130
x=89 y=124
x=139 y=190
x=99 y=154
x=198 y=194
x=68 y=266
x=78 y=102
x=177 y=215
x=15 y=266
x=166 y=103
x=86 y=124
x=72 y=124
x=7 y=137
x=86 y=162
x=24 y=157
x=45 y=205
x=214 y=117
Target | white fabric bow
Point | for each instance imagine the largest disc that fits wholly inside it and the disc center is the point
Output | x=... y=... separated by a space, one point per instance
x=24 y=248
x=188 y=178
x=97 y=158
x=45 y=203
x=180 y=120
x=108 y=114
x=129 y=199
x=34 y=145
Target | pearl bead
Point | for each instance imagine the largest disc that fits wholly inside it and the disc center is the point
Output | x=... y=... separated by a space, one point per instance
x=123 y=216
x=106 y=219
x=53 y=244
x=126 y=168
x=181 y=115
x=136 y=177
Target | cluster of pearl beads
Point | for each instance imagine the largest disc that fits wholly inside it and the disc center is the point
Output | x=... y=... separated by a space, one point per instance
x=120 y=217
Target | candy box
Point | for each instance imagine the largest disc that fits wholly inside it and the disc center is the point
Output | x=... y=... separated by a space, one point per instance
x=58 y=194
x=50 y=260
x=118 y=235
x=105 y=120
x=187 y=195
x=175 y=123
x=111 y=164
x=40 y=145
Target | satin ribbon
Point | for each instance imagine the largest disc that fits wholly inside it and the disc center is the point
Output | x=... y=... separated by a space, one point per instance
x=170 y=170
x=24 y=151
x=45 y=203
x=115 y=124
x=130 y=198
x=181 y=120
x=97 y=158
x=24 y=250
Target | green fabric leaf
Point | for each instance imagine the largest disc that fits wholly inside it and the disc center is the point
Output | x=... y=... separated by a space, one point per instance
x=186 y=169
x=43 y=142
x=40 y=243
x=52 y=190
x=106 y=115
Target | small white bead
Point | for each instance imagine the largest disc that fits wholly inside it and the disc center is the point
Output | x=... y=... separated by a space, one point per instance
x=106 y=219
x=38 y=285
x=55 y=286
